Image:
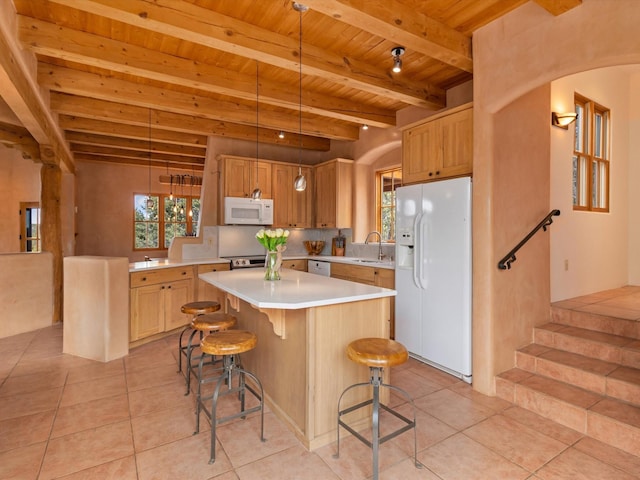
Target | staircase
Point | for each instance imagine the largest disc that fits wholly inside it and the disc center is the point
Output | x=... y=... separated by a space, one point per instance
x=582 y=371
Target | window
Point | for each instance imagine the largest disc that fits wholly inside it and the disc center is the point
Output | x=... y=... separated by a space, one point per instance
x=179 y=215
x=30 y=227
x=591 y=156
x=386 y=183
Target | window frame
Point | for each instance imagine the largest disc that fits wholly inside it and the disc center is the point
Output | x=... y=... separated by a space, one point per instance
x=24 y=239
x=396 y=172
x=591 y=185
x=163 y=199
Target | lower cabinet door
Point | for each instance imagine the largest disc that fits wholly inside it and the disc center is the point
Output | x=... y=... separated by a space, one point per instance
x=147 y=311
x=176 y=294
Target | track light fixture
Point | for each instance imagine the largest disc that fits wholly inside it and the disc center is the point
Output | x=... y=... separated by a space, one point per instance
x=365 y=127
x=281 y=134
x=396 y=53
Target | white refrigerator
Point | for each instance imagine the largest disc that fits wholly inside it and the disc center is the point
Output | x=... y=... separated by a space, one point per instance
x=433 y=273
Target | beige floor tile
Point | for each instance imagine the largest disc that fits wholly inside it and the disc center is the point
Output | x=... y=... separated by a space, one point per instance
x=148 y=400
x=93 y=390
x=414 y=384
x=460 y=457
x=356 y=460
x=300 y=464
x=29 y=403
x=162 y=427
x=613 y=456
x=494 y=403
x=26 y=430
x=513 y=441
x=241 y=440
x=95 y=370
x=91 y=414
x=429 y=430
x=22 y=463
x=573 y=464
x=89 y=448
x=455 y=410
x=407 y=470
x=152 y=377
x=193 y=464
x=543 y=425
x=15 y=385
x=121 y=469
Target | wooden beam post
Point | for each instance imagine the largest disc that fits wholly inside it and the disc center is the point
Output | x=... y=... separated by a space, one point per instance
x=51 y=233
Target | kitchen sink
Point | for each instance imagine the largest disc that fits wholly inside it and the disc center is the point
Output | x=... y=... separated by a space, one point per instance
x=366 y=260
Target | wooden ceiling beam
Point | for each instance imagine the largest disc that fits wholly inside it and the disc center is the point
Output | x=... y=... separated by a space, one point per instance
x=134 y=144
x=15 y=136
x=66 y=80
x=134 y=154
x=21 y=93
x=205 y=27
x=138 y=116
x=47 y=39
x=402 y=25
x=71 y=123
x=133 y=161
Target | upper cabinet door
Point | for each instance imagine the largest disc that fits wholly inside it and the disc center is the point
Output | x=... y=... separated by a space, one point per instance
x=439 y=147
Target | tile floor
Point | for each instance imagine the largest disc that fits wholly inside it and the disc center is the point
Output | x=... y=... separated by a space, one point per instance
x=66 y=417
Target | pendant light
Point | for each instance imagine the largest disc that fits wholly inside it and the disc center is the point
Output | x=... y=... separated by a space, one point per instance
x=257 y=193
x=149 y=199
x=300 y=183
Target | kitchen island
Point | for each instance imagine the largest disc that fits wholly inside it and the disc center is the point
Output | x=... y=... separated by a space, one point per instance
x=304 y=323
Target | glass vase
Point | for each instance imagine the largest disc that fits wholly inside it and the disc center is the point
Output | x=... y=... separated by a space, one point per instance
x=272 y=265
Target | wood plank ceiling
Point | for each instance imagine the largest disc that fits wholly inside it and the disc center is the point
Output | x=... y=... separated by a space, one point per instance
x=133 y=81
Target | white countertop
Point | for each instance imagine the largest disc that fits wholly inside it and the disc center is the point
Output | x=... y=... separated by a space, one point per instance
x=166 y=263
x=295 y=289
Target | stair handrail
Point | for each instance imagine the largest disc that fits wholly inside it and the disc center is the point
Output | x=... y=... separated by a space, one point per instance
x=505 y=263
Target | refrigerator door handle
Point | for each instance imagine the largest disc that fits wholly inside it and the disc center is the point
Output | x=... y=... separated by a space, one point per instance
x=421 y=239
x=417 y=251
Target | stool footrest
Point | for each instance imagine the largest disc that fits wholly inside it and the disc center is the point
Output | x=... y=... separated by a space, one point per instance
x=409 y=423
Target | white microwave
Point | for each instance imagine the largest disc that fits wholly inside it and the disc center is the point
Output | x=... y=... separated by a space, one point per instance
x=247 y=211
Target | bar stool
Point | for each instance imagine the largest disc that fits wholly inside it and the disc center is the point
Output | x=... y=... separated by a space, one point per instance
x=194 y=309
x=377 y=353
x=229 y=344
x=201 y=324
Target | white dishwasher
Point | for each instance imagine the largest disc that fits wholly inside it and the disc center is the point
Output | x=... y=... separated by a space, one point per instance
x=319 y=268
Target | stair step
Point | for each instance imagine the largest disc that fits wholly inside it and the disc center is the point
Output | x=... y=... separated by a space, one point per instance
x=606 y=419
x=590 y=343
x=587 y=316
x=598 y=376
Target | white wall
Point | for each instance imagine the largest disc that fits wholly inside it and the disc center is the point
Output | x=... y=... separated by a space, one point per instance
x=595 y=245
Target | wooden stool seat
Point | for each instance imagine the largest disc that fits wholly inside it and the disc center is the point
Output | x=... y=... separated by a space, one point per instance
x=213 y=322
x=377 y=352
x=200 y=308
x=229 y=342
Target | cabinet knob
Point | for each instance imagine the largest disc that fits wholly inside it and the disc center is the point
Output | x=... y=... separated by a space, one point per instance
x=430 y=174
x=184 y=273
x=144 y=279
x=437 y=172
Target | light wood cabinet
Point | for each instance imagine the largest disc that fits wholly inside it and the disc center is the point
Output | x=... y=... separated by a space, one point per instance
x=156 y=297
x=439 y=147
x=238 y=176
x=290 y=207
x=380 y=277
x=334 y=185
x=205 y=290
x=298 y=264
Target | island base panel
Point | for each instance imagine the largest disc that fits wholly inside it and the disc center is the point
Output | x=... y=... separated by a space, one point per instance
x=304 y=374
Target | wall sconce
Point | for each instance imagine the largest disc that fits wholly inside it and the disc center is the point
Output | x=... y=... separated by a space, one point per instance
x=396 y=53
x=563 y=120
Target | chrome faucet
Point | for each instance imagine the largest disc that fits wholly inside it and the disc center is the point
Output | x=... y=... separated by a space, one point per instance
x=366 y=241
